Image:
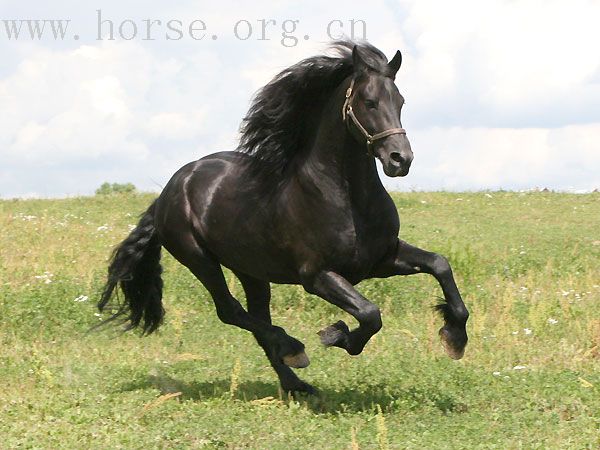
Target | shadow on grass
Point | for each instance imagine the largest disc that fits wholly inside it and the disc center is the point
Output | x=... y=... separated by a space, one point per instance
x=328 y=400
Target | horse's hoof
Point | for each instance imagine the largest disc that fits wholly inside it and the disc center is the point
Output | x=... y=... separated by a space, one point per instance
x=451 y=349
x=335 y=335
x=298 y=361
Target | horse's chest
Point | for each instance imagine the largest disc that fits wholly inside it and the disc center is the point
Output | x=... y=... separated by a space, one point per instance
x=335 y=234
x=361 y=244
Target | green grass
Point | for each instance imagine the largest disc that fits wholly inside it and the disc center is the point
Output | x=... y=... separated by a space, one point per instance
x=528 y=265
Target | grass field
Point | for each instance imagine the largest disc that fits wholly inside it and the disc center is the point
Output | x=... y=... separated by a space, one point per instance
x=528 y=265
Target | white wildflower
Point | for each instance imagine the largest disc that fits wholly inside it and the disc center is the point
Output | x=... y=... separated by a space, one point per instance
x=81 y=298
x=28 y=218
x=102 y=228
x=527 y=331
x=552 y=321
x=46 y=277
x=519 y=367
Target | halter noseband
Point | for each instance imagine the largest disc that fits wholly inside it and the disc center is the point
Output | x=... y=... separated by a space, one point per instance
x=347 y=111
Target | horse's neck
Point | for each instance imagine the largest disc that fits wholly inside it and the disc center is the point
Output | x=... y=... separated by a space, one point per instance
x=337 y=163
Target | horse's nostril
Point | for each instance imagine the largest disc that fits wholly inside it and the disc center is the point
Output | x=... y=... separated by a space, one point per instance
x=395 y=156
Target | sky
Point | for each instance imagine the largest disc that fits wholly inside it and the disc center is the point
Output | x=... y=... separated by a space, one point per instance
x=500 y=94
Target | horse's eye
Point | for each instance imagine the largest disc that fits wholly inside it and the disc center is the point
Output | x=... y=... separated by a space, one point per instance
x=371 y=104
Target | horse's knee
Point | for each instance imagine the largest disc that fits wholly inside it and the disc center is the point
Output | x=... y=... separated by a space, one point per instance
x=440 y=266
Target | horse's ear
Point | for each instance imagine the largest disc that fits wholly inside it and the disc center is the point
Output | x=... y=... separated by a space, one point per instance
x=359 y=63
x=395 y=63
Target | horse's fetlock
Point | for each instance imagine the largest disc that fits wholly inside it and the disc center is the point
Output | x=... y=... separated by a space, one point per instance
x=461 y=313
x=371 y=317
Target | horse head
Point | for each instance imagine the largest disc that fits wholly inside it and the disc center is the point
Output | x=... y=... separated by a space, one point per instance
x=372 y=112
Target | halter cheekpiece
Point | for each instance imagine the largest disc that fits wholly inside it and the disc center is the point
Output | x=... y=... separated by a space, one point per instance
x=347 y=111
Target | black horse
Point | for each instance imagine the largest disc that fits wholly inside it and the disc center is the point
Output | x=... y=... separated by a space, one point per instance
x=300 y=202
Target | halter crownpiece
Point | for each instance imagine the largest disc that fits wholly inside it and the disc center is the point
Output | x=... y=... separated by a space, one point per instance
x=347 y=111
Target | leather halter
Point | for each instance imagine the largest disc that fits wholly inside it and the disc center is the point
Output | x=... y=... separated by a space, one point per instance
x=347 y=111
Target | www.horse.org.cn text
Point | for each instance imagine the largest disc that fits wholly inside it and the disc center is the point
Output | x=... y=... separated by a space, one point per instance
x=289 y=32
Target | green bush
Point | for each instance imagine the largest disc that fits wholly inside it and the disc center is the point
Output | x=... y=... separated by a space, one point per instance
x=115 y=188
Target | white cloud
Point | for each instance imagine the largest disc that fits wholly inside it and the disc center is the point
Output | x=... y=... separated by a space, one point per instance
x=502 y=63
x=175 y=125
x=499 y=93
x=458 y=158
x=105 y=108
x=68 y=104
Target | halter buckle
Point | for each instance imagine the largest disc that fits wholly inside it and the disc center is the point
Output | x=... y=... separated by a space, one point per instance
x=350 y=88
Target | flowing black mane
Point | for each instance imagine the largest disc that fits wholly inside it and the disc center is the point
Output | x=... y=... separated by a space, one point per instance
x=275 y=126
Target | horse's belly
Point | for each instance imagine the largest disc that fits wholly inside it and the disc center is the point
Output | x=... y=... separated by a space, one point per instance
x=361 y=260
x=257 y=261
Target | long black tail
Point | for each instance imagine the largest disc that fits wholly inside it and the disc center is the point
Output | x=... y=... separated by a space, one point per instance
x=135 y=267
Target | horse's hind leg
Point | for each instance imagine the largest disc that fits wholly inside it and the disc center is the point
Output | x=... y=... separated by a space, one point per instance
x=208 y=270
x=258 y=296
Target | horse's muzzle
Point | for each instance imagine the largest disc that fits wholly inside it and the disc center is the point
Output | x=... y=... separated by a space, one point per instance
x=395 y=163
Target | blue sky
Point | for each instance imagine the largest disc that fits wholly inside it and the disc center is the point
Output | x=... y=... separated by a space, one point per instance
x=500 y=94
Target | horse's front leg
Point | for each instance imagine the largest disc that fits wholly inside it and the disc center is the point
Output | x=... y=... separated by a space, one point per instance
x=409 y=260
x=337 y=290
